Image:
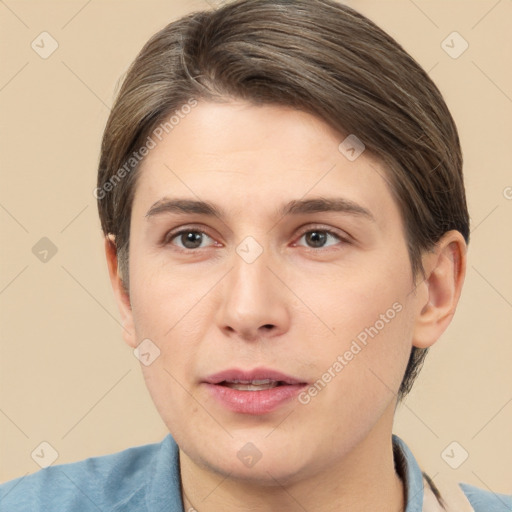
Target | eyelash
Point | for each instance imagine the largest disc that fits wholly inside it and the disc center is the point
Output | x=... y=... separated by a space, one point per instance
x=170 y=236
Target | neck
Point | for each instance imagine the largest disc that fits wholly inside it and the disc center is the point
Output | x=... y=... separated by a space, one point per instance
x=364 y=480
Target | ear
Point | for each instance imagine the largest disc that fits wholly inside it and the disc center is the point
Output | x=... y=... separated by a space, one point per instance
x=120 y=293
x=439 y=293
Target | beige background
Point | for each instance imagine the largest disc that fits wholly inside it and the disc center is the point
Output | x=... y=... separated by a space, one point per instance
x=67 y=377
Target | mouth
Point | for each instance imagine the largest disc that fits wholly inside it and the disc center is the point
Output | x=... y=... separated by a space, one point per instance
x=253 y=385
x=257 y=391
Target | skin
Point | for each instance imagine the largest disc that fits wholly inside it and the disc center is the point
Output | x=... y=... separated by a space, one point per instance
x=297 y=307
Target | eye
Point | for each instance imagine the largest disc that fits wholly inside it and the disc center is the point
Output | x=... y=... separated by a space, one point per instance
x=188 y=238
x=317 y=238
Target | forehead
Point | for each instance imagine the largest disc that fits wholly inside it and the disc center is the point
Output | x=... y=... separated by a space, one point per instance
x=244 y=157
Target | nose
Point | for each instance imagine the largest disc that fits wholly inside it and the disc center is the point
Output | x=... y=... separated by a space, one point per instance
x=255 y=304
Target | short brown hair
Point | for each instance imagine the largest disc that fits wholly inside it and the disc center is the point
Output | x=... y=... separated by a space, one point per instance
x=317 y=56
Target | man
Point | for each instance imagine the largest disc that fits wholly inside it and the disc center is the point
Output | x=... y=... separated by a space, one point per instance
x=281 y=193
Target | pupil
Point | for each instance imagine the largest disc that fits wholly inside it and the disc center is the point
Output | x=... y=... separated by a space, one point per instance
x=192 y=237
x=317 y=237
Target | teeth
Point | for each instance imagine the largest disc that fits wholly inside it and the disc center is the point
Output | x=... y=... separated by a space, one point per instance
x=261 y=382
x=253 y=385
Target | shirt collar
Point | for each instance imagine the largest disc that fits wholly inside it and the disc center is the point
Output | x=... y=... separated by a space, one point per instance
x=164 y=482
x=411 y=475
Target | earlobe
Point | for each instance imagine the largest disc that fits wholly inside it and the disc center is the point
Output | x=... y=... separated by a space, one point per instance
x=445 y=268
x=120 y=293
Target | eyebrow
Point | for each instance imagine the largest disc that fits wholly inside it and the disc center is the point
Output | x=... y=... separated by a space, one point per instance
x=295 y=207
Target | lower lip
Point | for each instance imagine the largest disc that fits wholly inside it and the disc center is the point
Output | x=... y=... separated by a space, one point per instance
x=255 y=402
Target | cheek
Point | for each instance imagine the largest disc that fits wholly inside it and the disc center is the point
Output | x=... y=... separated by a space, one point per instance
x=163 y=299
x=358 y=303
x=357 y=382
x=169 y=309
x=366 y=353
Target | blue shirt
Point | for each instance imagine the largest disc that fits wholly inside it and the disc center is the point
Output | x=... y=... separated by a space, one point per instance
x=146 y=479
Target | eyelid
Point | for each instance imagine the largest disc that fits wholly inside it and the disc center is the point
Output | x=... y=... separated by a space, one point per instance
x=170 y=235
x=343 y=236
x=173 y=233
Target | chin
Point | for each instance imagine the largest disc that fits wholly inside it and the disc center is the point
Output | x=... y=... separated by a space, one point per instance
x=262 y=461
x=274 y=471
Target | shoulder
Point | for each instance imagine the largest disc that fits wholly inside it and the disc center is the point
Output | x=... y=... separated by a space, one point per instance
x=110 y=482
x=455 y=495
x=487 y=501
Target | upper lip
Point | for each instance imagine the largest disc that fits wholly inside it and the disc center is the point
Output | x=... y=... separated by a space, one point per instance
x=247 y=376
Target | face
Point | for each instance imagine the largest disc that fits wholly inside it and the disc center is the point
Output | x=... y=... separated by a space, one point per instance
x=283 y=308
